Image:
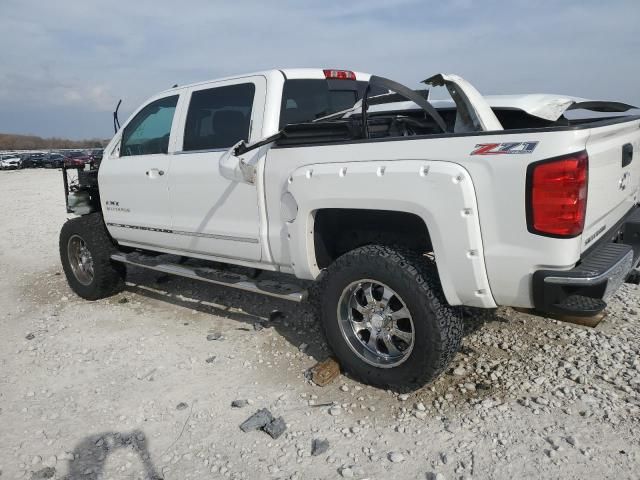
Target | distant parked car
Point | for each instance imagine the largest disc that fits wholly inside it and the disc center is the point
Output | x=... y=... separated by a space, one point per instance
x=53 y=160
x=80 y=159
x=10 y=162
x=77 y=159
x=33 y=160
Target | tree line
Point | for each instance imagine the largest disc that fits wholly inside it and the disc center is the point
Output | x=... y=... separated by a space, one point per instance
x=32 y=142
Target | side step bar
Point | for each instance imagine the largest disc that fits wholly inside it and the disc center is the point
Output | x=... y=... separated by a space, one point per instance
x=271 y=288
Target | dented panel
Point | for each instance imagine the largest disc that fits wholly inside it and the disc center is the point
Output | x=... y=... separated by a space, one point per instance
x=474 y=113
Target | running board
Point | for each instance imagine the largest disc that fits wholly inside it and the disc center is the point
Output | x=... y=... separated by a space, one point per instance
x=271 y=288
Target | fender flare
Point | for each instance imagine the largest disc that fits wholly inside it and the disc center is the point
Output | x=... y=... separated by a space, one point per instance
x=440 y=193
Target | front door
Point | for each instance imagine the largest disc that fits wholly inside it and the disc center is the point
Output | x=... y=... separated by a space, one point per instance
x=134 y=177
x=210 y=214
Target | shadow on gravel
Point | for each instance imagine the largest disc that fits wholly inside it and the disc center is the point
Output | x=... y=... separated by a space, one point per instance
x=90 y=455
x=295 y=322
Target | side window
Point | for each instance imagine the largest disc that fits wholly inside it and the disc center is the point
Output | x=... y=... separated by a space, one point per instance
x=218 y=117
x=149 y=131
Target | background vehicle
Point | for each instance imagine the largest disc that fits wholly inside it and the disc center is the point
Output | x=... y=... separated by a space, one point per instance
x=400 y=210
x=33 y=160
x=76 y=159
x=10 y=162
x=53 y=160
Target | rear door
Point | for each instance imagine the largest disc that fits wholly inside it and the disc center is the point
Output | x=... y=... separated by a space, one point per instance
x=614 y=177
x=210 y=214
x=134 y=177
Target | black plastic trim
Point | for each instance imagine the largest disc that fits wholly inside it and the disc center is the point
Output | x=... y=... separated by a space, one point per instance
x=564 y=128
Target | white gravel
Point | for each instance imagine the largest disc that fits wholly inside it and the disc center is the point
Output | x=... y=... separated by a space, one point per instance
x=94 y=392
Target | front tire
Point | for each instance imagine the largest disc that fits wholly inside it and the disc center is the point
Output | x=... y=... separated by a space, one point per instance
x=85 y=252
x=385 y=317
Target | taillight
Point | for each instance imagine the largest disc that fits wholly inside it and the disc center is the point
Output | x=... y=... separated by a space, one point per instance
x=339 y=75
x=557 y=195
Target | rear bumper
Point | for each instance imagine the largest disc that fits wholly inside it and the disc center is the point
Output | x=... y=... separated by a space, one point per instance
x=583 y=290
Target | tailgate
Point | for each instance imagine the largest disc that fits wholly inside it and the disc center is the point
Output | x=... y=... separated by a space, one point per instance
x=614 y=177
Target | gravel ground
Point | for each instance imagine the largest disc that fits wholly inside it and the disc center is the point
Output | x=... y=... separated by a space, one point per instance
x=141 y=385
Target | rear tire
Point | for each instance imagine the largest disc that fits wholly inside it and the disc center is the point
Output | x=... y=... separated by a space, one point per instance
x=401 y=355
x=85 y=252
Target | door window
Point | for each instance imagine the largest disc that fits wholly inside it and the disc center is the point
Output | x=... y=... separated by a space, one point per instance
x=218 y=117
x=149 y=131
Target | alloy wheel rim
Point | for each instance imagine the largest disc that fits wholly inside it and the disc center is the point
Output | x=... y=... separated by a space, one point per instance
x=80 y=260
x=376 y=323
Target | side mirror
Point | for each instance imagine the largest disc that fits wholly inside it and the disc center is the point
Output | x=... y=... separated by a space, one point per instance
x=236 y=168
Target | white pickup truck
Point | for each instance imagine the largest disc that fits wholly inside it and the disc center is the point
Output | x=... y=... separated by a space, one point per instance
x=400 y=209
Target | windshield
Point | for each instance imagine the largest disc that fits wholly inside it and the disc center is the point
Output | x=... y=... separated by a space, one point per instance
x=306 y=100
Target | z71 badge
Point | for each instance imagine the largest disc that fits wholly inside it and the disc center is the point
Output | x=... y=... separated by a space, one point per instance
x=510 y=148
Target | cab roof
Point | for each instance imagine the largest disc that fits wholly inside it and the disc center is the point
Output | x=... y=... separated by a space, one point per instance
x=287 y=73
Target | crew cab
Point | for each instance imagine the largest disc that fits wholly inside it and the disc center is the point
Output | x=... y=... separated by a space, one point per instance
x=399 y=209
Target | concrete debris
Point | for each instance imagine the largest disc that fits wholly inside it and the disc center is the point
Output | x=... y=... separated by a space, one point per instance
x=264 y=420
x=257 y=421
x=276 y=427
x=319 y=446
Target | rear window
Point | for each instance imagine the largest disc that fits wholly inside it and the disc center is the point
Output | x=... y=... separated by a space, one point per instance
x=219 y=117
x=306 y=100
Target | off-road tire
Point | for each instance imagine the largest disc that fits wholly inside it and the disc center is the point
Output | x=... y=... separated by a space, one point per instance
x=438 y=326
x=109 y=276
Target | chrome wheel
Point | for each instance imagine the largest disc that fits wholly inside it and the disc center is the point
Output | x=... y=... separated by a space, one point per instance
x=376 y=323
x=80 y=260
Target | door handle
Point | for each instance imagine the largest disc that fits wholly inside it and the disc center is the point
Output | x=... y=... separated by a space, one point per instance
x=627 y=154
x=153 y=172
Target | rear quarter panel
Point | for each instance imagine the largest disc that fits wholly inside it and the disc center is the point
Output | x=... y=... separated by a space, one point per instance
x=510 y=254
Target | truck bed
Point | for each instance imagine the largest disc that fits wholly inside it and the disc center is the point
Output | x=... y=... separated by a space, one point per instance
x=511 y=253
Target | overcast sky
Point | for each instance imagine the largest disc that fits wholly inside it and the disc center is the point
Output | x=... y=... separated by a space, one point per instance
x=65 y=63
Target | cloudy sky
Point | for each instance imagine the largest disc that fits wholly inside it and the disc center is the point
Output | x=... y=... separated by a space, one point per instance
x=65 y=63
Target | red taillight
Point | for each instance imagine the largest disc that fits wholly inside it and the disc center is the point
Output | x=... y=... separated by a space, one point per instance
x=339 y=75
x=557 y=195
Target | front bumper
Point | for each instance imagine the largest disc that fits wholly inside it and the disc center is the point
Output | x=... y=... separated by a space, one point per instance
x=583 y=290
